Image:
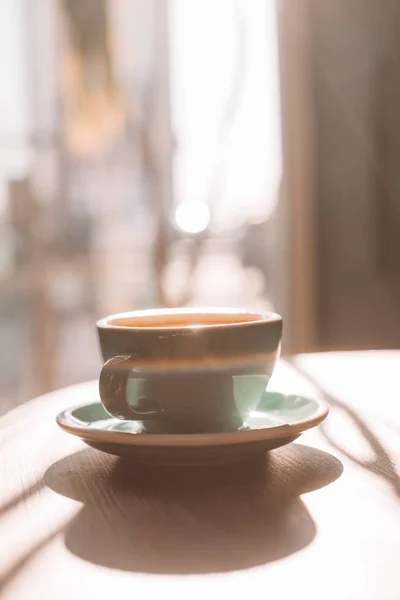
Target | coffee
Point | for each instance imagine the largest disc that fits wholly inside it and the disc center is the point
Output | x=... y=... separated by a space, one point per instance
x=183 y=320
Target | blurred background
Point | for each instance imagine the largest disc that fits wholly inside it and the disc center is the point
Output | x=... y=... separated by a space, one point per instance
x=182 y=152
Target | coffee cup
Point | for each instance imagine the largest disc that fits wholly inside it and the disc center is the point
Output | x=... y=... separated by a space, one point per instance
x=187 y=370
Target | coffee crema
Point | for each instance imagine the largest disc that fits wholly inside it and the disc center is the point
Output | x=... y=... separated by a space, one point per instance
x=185 y=320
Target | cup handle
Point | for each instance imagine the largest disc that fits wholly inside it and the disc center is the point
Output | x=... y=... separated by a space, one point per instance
x=113 y=390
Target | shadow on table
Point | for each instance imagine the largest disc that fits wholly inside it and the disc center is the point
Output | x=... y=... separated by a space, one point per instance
x=191 y=519
x=381 y=464
x=10 y=574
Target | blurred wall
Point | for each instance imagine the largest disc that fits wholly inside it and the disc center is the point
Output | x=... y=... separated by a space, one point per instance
x=356 y=95
x=338 y=261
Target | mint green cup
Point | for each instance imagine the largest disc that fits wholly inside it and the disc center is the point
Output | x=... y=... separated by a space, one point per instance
x=187 y=370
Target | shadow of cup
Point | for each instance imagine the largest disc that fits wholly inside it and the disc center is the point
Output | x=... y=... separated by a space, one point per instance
x=191 y=519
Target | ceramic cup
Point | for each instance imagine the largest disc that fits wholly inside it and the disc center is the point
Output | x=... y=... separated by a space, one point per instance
x=187 y=370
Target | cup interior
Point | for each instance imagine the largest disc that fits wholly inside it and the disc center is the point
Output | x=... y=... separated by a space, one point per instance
x=184 y=318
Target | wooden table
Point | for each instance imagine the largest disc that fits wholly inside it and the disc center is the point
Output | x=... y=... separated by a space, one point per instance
x=319 y=520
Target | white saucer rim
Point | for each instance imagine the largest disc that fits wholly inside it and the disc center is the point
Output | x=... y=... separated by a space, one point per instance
x=65 y=421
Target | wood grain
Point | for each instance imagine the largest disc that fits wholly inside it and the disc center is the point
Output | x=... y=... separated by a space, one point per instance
x=317 y=519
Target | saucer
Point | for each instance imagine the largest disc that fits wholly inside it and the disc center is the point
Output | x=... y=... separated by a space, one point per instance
x=279 y=420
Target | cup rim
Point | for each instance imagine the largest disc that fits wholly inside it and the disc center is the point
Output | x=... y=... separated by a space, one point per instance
x=261 y=318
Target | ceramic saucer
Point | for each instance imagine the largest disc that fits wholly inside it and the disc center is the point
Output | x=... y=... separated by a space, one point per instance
x=279 y=420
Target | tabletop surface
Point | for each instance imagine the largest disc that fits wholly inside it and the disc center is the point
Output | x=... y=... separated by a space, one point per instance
x=319 y=518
